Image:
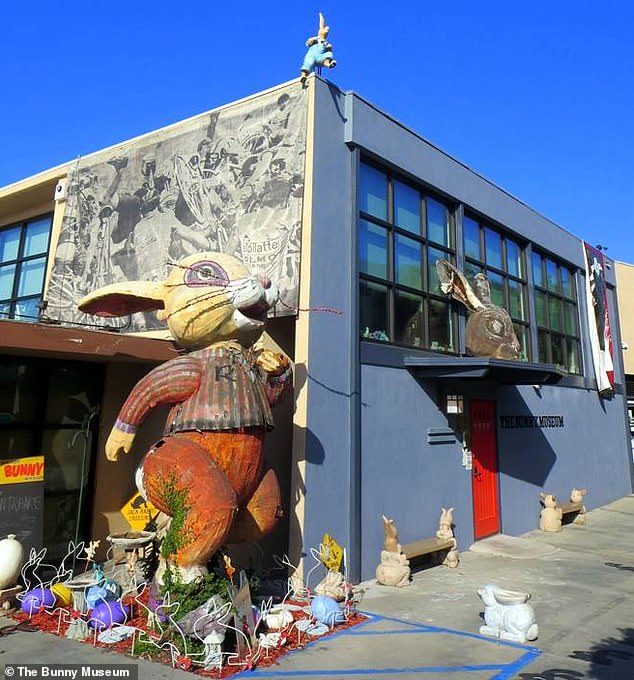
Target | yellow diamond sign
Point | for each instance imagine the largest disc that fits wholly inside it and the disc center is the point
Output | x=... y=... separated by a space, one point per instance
x=138 y=512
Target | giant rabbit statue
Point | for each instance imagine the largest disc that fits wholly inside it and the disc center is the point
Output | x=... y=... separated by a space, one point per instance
x=208 y=469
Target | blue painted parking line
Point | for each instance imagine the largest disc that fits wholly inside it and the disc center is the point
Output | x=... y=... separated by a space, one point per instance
x=500 y=671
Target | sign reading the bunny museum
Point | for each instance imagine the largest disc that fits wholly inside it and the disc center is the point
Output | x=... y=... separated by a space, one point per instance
x=22 y=500
x=228 y=181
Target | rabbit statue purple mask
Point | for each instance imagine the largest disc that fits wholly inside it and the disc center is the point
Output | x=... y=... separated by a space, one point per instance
x=489 y=331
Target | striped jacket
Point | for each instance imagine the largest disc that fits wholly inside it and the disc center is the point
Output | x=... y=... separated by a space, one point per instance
x=218 y=388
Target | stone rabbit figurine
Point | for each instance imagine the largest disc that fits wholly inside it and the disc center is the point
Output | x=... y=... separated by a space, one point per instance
x=445 y=525
x=576 y=496
x=390 y=543
x=506 y=614
x=550 y=516
x=489 y=331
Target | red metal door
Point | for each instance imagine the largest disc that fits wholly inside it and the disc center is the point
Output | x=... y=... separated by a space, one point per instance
x=484 y=475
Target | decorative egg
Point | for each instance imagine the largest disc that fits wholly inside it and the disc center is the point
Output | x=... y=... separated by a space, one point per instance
x=108 y=613
x=95 y=595
x=11 y=556
x=36 y=598
x=326 y=610
x=63 y=595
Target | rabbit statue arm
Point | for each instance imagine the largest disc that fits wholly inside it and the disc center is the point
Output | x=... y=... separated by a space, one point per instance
x=277 y=374
x=170 y=383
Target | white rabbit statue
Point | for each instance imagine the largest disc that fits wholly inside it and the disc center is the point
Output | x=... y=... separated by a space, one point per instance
x=506 y=614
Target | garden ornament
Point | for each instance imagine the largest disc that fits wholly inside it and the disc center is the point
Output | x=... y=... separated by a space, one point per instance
x=208 y=470
x=550 y=516
x=445 y=525
x=11 y=558
x=576 y=496
x=319 y=51
x=489 y=331
x=393 y=570
x=506 y=614
x=390 y=542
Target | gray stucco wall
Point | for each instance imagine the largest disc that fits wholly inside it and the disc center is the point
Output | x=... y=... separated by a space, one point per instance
x=330 y=481
x=367 y=452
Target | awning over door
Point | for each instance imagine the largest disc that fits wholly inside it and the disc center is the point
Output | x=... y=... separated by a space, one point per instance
x=501 y=371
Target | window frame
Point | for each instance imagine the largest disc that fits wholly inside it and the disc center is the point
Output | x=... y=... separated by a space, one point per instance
x=548 y=331
x=18 y=262
x=483 y=224
x=392 y=286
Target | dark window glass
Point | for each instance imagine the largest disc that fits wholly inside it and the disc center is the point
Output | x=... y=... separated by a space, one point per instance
x=373 y=195
x=440 y=326
x=23 y=255
x=551 y=276
x=514 y=259
x=437 y=222
x=397 y=263
x=538 y=275
x=471 y=238
x=409 y=319
x=517 y=307
x=557 y=314
x=372 y=249
x=407 y=208
x=9 y=244
x=408 y=258
x=493 y=247
x=373 y=311
x=496 y=284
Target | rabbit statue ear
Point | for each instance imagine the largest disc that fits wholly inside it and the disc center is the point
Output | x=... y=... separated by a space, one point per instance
x=482 y=288
x=322 y=22
x=454 y=283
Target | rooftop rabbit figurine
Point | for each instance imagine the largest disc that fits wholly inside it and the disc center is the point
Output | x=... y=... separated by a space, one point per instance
x=506 y=614
x=550 y=516
x=489 y=331
x=209 y=465
x=319 y=51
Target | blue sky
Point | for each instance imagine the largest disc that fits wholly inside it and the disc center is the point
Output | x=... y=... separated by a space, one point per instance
x=537 y=97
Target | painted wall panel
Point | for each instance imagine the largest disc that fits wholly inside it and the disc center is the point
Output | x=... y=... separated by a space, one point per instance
x=589 y=451
x=403 y=477
x=329 y=375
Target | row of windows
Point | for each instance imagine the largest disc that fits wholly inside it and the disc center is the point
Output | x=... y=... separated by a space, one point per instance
x=404 y=231
x=23 y=254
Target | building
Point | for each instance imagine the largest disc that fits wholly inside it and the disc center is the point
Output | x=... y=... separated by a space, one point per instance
x=349 y=211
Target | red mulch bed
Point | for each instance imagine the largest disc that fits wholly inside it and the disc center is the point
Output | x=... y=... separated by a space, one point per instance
x=49 y=623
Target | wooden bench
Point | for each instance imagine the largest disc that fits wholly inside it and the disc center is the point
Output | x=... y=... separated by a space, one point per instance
x=431 y=546
x=571 y=509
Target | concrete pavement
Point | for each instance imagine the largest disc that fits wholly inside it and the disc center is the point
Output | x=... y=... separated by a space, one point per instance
x=582 y=586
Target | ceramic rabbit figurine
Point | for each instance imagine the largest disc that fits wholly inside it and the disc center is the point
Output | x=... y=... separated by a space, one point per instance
x=550 y=516
x=209 y=466
x=319 y=51
x=506 y=614
x=489 y=331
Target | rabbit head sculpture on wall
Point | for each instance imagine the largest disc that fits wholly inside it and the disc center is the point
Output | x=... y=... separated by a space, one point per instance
x=489 y=331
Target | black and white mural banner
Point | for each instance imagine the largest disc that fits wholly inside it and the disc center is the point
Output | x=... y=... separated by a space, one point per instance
x=230 y=180
x=599 y=319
